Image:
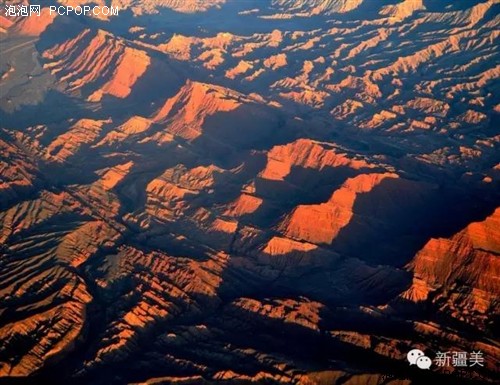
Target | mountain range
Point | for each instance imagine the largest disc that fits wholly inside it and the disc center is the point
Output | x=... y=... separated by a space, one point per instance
x=250 y=191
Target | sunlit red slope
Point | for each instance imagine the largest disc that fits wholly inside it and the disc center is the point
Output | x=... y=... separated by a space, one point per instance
x=246 y=192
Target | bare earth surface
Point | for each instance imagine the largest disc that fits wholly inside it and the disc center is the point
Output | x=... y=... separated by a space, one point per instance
x=250 y=192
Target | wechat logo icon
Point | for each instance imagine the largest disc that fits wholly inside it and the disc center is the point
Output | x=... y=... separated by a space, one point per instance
x=418 y=357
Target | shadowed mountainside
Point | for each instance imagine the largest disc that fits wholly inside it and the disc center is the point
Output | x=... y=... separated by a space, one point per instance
x=244 y=192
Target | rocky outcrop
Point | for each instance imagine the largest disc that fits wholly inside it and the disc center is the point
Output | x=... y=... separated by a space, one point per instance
x=84 y=63
x=236 y=197
x=404 y=9
x=457 y=274
x=184 y=6
x=194 y=103
x=33 y=25
x=322 y=223
x=17 y=170
x=83 y=132
x=317 y=6
x=307 y=154
x=43 y=311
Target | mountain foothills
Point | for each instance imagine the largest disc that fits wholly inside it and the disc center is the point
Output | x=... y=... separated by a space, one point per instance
x=247 y=192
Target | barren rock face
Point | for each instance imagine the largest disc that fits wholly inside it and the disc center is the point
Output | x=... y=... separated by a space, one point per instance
x=250 y=192
x=154 y=6
x=458 y=273
x=318 y=6
x=100 y=52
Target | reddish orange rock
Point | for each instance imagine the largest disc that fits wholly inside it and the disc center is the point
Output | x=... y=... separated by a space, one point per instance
x=34 y=25
x=321 y=223
x=461 y=272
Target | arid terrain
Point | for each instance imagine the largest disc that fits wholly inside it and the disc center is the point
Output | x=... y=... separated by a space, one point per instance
x=250 y=192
